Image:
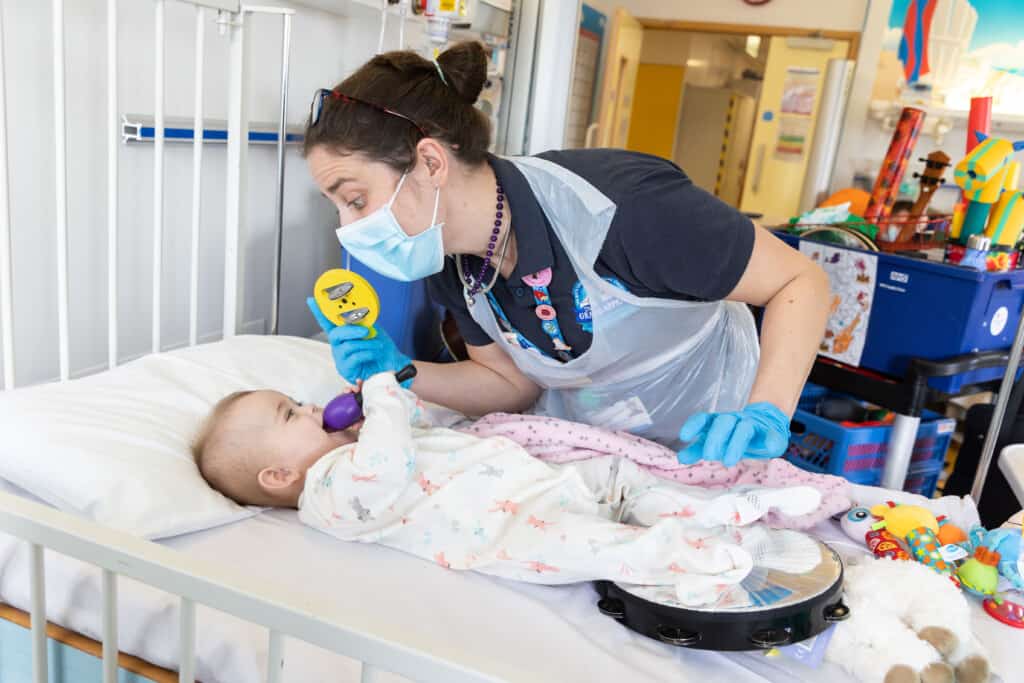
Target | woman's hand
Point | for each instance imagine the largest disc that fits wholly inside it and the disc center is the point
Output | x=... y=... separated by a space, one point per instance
x=356 y=357
x=758 y=431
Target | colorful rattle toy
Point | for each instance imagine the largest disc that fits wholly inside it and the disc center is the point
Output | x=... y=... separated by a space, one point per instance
x=344 y=410
x=927 y=550
x=884 y=544
x=979 y=575
x=346 y=298
x=1001 y=609
x=900 y=520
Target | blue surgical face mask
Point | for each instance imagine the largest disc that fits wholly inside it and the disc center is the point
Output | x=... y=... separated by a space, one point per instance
x=379 y=242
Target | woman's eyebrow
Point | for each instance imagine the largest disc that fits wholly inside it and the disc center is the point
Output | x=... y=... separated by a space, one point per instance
x=338 y=183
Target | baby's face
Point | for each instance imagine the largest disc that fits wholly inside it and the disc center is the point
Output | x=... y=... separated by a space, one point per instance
x=292 y=433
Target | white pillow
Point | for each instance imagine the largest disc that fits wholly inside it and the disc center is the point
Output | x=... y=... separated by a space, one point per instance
x=114 y=447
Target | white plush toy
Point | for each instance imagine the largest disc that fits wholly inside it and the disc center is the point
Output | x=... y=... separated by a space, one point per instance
x=907 y=624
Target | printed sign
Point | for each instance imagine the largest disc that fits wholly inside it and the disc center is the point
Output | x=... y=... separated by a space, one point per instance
x=852 y=276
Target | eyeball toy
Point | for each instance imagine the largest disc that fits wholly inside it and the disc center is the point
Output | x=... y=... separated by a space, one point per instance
x=857 y=522
x=346 y=298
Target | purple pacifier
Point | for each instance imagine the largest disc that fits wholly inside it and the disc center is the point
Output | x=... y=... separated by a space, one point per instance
x=344 y=410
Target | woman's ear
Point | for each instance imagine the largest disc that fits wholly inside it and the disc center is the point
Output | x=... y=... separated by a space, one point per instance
x=276 y=478
x=433 y=162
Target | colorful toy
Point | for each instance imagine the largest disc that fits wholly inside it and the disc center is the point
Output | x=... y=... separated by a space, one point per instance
x=949 y=532
x=928 y=551
x=346 y=298
x=978 y=120
x=884 y=544
x=1007 y=543
x=1007 y=219
x=857 y=522
x=976 y=537
x=895 y=164
x=982 y=175
x=900 y=520
x=344 y=410
x=979 y=575
x=1001 y=609
x=857 y=199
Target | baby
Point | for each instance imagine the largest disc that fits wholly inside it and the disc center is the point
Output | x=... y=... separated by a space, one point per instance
x=485 y=504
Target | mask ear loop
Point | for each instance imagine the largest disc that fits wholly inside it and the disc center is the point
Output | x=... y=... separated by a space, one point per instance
x=437 y=201
x=398 y=189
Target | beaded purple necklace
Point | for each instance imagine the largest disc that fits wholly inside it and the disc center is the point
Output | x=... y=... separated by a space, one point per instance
x=477 y=284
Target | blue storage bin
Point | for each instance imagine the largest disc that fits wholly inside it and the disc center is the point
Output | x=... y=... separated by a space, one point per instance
x=924 y=309
x=810 y=396
x=858 y=453
x=923 y=481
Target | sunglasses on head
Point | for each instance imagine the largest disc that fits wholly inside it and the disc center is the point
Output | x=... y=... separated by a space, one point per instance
x=321 y=96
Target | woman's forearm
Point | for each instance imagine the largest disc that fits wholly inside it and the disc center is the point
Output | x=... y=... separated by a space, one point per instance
x=473 y=388
x=791 y=330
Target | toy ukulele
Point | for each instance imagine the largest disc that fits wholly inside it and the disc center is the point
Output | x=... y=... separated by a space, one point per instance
x=930 y=181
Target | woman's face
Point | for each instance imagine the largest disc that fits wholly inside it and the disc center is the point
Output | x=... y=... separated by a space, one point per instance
x=358 y=186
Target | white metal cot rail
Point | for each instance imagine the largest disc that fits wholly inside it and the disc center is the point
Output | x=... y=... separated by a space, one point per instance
x=116 y=553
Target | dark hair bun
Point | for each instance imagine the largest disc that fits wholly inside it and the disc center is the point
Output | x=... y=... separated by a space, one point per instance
x=465 y=69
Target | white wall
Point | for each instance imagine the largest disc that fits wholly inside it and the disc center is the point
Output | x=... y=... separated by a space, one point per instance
x=856 y=136
x=325 y=48
x=836 y=15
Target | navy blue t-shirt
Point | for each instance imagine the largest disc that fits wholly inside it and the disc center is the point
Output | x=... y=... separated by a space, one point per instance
x=668 y=239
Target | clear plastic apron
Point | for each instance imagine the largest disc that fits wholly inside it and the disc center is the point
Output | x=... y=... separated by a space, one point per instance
x=652 y=362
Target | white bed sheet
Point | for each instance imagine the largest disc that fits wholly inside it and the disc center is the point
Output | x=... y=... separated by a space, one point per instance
x=514 y=632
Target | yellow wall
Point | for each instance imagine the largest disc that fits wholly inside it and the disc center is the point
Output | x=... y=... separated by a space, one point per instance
x=655 y=109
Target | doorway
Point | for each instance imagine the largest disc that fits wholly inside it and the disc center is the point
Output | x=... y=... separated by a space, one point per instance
x=734 y=106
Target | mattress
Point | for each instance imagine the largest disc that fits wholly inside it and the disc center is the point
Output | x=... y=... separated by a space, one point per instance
x=511 y=631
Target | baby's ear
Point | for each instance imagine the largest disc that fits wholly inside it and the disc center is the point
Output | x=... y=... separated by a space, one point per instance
x=275 y=478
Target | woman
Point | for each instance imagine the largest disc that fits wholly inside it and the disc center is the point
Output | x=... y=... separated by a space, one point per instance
x=601 y=285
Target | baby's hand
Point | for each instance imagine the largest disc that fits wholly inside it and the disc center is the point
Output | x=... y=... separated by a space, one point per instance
x=357 y=388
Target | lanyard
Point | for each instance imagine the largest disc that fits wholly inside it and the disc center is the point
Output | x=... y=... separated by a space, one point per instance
x=538 y=282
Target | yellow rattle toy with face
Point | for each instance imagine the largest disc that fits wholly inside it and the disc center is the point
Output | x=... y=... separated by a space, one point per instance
x=346 y=298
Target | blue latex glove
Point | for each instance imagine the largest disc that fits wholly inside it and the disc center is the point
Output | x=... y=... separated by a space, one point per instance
x=758 y=431
x=356 y=357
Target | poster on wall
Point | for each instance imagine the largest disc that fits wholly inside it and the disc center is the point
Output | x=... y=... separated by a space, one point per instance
x=791 y=139
x=951 y=50
x=852 y=277
x=799 y=91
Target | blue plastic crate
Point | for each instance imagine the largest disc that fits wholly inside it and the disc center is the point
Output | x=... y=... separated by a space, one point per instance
x=923 y=480
x=810 y=396
x=858 y=453
x=924 y=309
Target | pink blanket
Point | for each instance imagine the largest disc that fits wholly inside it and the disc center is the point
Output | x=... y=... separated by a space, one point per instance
x=559 y=441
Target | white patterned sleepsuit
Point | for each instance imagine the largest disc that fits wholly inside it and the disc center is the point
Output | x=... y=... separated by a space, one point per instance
x=487 y=505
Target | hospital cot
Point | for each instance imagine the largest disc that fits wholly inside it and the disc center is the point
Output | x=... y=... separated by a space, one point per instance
x=265 y=597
